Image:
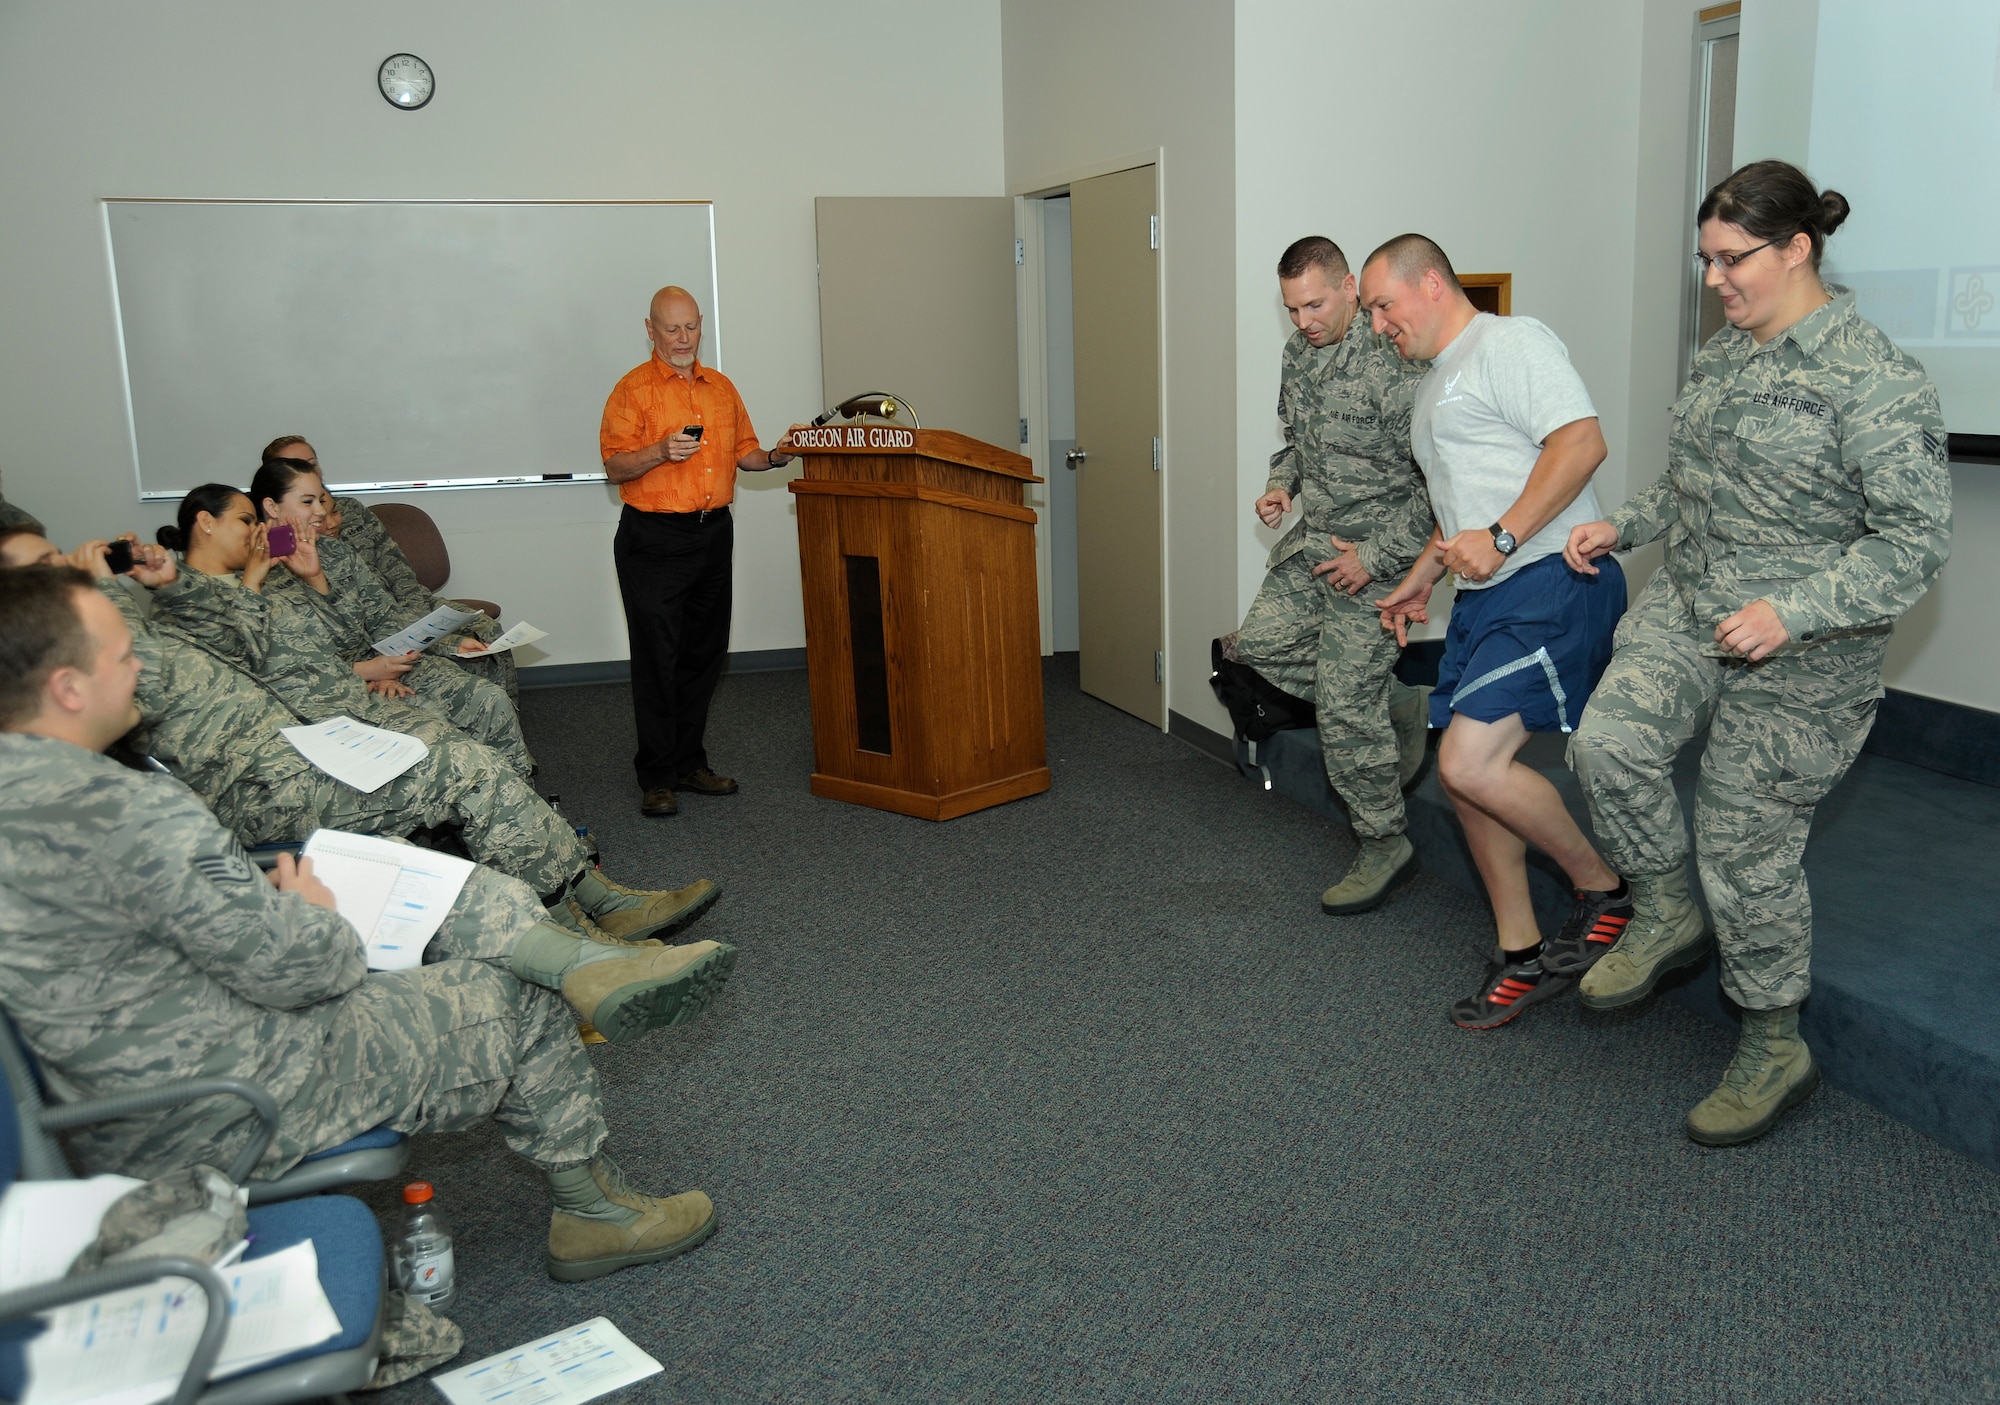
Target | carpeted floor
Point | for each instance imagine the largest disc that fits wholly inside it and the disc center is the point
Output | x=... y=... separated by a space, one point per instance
x=1082 y=1099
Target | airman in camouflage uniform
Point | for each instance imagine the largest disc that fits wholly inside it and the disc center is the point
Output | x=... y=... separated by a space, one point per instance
x=141 y=945
x=352 y=522
x=300 y=644
x=217 y=729
x=1345 y=406
x=1809 y=473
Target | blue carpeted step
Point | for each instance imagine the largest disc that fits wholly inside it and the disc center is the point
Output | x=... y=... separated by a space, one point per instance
x=1905 y=958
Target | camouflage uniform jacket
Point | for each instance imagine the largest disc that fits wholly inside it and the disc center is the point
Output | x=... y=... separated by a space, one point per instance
x=291 y=644
x=141 y=945
x=1345 y=411
x=1809 y=472
x=206 y=720
x=363 y=533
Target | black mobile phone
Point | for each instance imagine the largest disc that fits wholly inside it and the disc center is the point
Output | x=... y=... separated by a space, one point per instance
x=120 y=558
x=692 y=431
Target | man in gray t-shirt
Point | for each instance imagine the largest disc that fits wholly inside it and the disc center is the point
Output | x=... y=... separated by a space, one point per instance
x=1508 y=440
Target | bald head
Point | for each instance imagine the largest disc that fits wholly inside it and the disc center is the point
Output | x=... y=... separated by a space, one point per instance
x=674 y=327
x=1412 y=296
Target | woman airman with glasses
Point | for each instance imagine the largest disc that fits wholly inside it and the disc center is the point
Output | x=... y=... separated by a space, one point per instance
x=1805 y=507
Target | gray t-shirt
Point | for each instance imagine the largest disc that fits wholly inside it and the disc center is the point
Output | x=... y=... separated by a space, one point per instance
x=1501 y=387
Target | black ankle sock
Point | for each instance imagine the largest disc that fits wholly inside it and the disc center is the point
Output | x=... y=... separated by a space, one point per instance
x=1525 y=956
x=1622 y=893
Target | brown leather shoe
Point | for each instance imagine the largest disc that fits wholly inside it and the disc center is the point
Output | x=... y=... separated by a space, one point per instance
x=658 y=803
x=706 y=782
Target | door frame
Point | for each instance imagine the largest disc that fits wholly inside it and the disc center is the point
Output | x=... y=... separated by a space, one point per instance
x=1031 y=339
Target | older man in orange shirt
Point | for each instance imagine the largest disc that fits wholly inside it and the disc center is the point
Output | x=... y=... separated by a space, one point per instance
x=674 y=434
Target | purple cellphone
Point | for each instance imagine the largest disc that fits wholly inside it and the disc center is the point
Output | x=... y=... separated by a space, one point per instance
x=282 y=541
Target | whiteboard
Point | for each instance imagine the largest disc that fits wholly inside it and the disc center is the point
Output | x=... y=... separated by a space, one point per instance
x=415 y=343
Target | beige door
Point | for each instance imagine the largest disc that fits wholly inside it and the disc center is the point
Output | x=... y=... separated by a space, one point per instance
x=916 y=297
x=1120 y=594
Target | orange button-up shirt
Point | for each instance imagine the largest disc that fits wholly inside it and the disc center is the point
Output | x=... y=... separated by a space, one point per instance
x=652 y=401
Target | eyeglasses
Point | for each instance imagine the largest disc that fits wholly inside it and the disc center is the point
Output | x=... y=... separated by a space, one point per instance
x=1702 y=261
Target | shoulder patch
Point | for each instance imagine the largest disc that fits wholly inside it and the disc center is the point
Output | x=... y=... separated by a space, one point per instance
x=1937 y=448
x=231 y=870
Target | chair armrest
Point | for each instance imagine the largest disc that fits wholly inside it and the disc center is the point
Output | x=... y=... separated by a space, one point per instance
x=40 y=1297
x=64 y=1116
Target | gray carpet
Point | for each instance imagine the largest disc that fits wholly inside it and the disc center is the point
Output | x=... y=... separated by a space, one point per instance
x=1082 y=1099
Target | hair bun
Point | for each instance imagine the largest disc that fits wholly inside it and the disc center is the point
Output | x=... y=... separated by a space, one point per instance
x=170 y=537
x=1833 y=211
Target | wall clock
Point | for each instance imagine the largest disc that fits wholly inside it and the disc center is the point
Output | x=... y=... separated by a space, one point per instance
x=406 y=81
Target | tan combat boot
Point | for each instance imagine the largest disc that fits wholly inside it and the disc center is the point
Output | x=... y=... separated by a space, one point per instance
x=632 y=990
x=1666 y=933
x=1381 y=865
x=601 y=1224
x=1410 y=715
x=1772 y=1073
x=633 y=914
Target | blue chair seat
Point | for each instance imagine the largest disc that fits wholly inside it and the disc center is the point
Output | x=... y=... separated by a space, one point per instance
x=375 y=1155
x=375 y=1140
x=354 y=1276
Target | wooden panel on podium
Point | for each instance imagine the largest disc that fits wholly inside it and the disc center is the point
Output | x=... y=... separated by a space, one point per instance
x=923 y=633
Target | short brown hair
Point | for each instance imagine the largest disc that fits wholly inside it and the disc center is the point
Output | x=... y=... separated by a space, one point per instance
x=1411 y=256
x=271 y=449
x=1313 y=251
x=41 y=630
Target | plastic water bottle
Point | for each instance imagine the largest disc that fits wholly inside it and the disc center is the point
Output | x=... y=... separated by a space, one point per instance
x=422 y=1250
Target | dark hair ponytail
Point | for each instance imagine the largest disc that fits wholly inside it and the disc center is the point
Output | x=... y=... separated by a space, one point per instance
x=274 y=479
x=212 y=498
x=1775 y=200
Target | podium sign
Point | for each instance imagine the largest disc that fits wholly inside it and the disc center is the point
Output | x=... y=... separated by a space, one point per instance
x=923 y=632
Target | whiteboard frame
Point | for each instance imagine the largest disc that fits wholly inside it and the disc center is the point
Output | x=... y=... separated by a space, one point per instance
x=711 y=330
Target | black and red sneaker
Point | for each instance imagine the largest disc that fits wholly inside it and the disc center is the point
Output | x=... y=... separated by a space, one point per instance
x=1511 y=986
x=1596 y=922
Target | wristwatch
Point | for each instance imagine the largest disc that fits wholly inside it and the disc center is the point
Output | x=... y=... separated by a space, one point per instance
x=1503 y=540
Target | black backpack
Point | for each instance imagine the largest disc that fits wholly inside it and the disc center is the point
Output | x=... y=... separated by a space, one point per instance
x=1257 y=706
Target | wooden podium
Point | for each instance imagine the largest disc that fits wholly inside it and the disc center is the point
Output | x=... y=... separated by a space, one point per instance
x=923 y=634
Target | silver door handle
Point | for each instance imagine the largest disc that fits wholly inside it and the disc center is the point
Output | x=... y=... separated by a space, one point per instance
x=1073 y=458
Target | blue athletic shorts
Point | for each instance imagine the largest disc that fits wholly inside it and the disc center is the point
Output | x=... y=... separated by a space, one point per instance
x=1535 y=644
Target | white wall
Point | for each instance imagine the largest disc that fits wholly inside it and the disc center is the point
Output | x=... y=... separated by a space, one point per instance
x=1939 y=649
x=1542 y=138
x=1093 y=86
x=759 y=106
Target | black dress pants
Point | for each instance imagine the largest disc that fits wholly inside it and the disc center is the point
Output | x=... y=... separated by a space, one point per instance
x=674 y=577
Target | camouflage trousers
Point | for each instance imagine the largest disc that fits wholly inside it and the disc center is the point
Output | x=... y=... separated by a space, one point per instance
x=443 y=1047
x=497 y=669
x=480 y=709
x=1781 y=734
x=1329 y=648
x=505 y=824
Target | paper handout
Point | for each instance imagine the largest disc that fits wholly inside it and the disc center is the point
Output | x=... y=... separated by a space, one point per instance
x=44 y=1225
x=564 y=1368
x=425 y=632
x=129 y=1348
x=395 y=895
x=522 y=633
x=355 y=753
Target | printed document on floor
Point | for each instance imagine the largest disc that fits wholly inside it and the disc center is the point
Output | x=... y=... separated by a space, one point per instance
x=522 y=633
x=425 y=632
x=564 y=1368
x=355 y=753
x=130 y=1347
x=395 y=895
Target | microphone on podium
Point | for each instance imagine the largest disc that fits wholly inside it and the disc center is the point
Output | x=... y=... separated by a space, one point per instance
x=879 y=403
